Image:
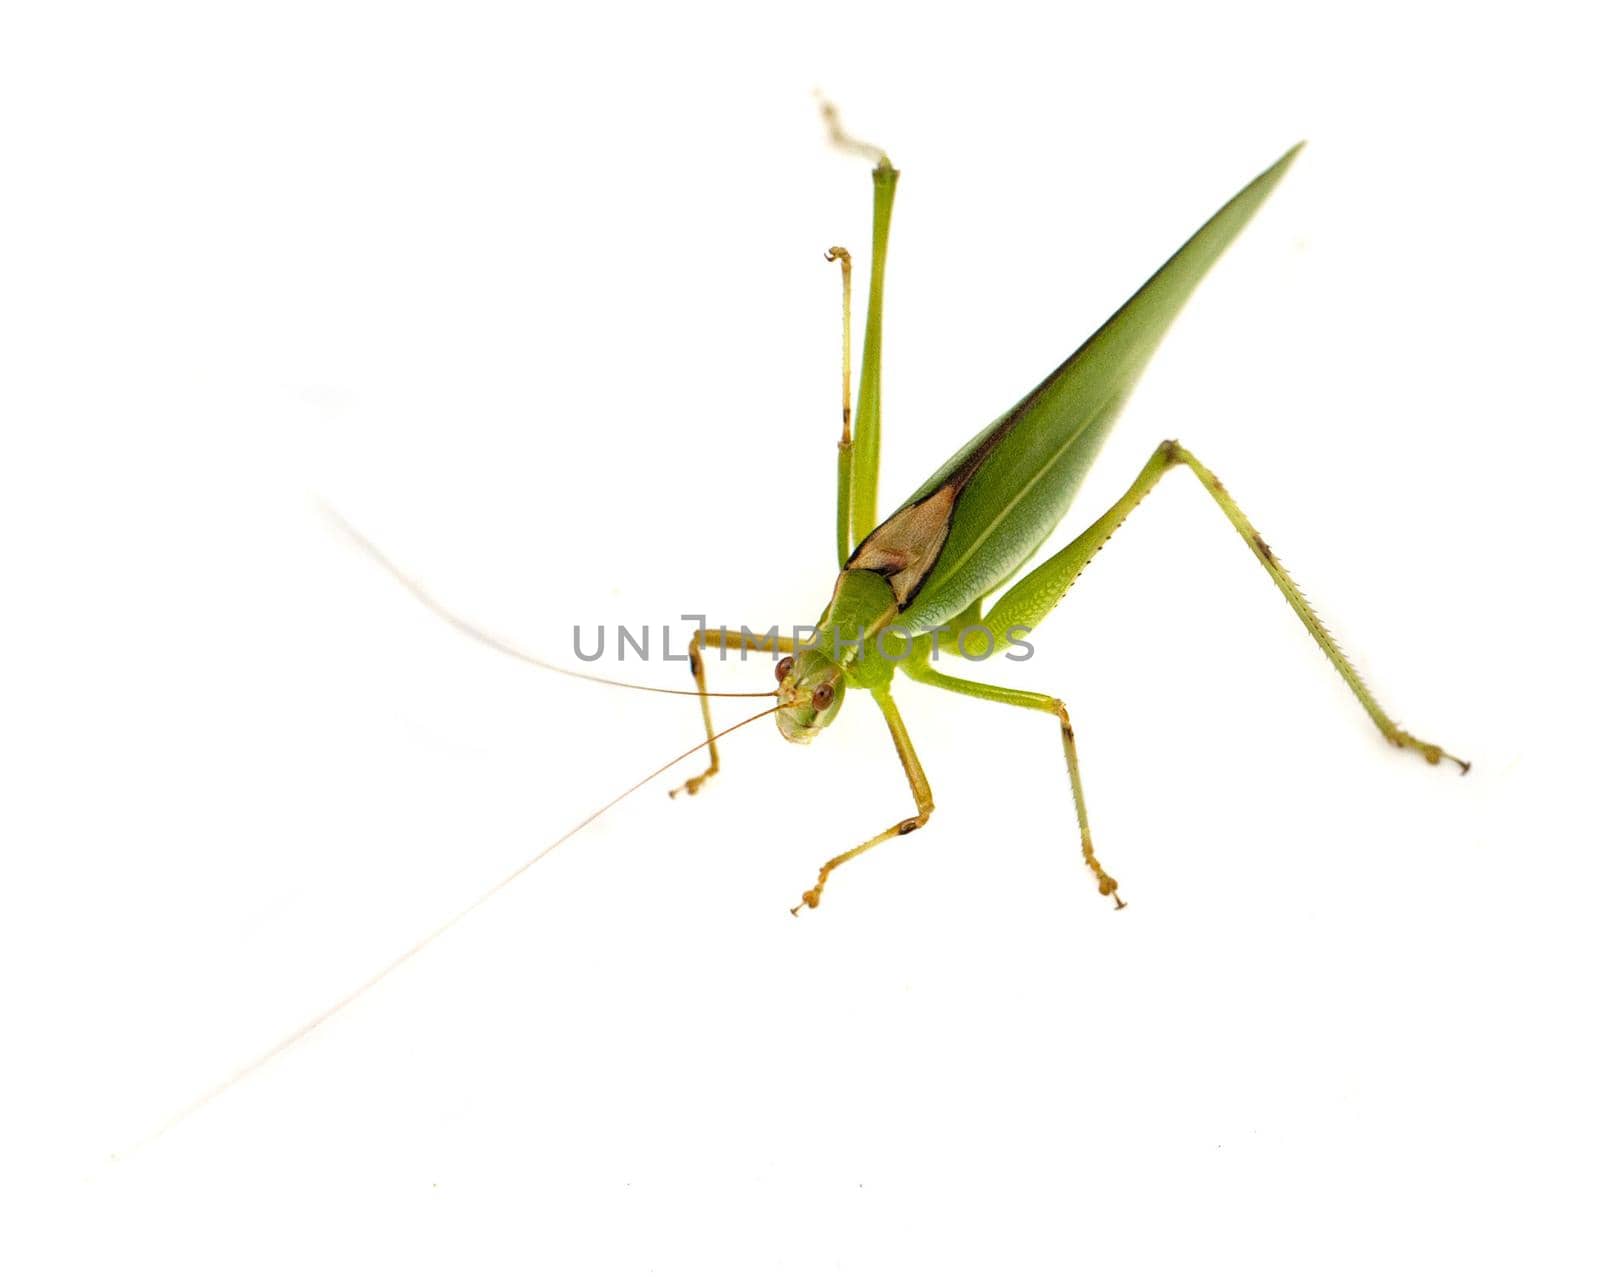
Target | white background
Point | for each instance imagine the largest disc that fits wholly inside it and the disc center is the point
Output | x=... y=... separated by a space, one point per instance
x=537 y=299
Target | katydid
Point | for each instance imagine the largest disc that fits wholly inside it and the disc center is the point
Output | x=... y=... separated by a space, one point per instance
x=909 y=587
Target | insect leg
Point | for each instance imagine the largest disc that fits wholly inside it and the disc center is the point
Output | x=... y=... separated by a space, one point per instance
x=846 y=444
x=920 y=791
x=869 y=404
x=1033 y=597
x=1052 y=705
x=858 y=456
x=743 y=641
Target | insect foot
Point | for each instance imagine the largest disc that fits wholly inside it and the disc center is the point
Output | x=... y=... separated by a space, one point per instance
x=1108 y=884
x=809 y=900
x=692 y=785
x=812 y=898
x=1432 y=753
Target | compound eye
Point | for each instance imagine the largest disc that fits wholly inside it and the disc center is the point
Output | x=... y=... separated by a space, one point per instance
x=784 y=666
x=822 y=697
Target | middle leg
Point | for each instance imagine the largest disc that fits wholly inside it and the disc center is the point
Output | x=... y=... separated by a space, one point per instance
x=1052 y=705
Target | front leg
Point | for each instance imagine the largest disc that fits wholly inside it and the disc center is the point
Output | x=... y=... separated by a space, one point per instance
x=744 y=641
x=921 y=792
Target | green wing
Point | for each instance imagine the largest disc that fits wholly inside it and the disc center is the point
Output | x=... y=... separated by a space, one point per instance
x=1015 y=479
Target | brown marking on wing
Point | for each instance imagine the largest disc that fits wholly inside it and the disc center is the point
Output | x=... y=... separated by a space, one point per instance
x=905 y=546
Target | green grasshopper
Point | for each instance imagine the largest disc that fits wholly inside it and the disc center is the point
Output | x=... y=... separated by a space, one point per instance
x=911 y=587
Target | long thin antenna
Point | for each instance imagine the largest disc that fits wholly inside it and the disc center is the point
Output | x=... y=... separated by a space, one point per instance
x=322 y=1017
x=489 y=640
